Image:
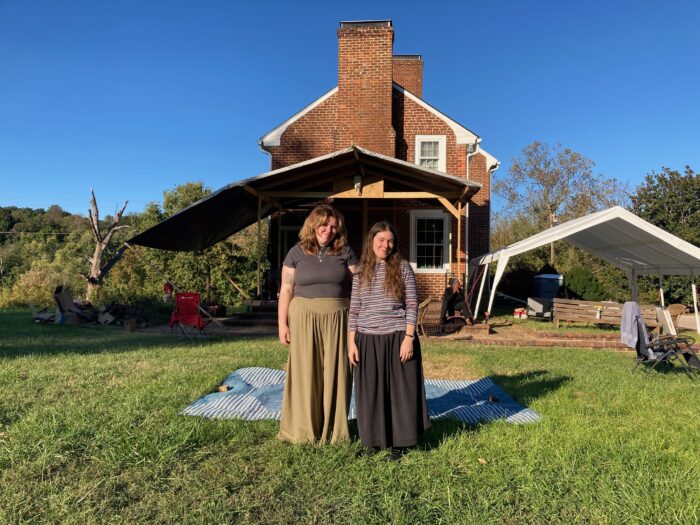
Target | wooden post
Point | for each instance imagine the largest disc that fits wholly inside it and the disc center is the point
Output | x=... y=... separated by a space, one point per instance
x=278 y=270
x=365 y=217
x=279 y=240
x=259 y=246
x=459 y=242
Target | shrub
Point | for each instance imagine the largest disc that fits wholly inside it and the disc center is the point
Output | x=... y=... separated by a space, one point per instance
x=583 y=284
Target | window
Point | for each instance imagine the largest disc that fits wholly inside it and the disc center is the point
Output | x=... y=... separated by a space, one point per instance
x=430 y=241
x=431 y=151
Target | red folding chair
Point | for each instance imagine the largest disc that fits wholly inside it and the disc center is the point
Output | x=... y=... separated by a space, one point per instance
x=187 y=313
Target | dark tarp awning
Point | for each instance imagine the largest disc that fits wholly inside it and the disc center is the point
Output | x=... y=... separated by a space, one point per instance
x=234 y=207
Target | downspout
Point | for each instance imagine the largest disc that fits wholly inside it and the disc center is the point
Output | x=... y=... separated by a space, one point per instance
x=491 y=170
x=472 y=149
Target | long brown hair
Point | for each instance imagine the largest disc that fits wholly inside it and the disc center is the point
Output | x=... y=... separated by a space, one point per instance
x=318 y=216
x=393 y=283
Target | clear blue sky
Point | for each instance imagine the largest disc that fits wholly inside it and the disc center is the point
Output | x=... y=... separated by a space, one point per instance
x=135 y=97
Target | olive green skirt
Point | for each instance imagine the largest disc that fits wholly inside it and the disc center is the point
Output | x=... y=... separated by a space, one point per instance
x=318 y=385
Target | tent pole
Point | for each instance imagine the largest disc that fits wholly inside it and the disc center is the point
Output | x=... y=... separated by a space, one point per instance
x=259 y=246
x=500 y=269
x=481 y=291
x=632 y=278
x=661 y=291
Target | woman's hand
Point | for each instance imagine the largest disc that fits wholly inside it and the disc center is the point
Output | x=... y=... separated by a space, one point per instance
x=406 y=352
x=284 y=334
x=353 y=352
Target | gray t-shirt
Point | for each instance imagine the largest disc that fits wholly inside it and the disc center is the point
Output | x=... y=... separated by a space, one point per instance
x=321 y=275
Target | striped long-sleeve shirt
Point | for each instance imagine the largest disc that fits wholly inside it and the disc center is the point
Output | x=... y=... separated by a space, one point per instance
x=374 y=311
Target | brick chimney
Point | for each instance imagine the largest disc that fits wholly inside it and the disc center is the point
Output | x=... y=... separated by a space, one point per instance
x=364 y=85
x=408 y=73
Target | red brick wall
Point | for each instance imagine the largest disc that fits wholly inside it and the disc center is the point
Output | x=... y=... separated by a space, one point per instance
x=313 y=135
x=408 y=73
x=410 y=119
x=479 y=207
x=365 y=59
x=367 y=111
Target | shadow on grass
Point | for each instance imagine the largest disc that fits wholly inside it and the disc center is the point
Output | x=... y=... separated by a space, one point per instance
x=20 y=336
x=530 y=385
x=524 y=386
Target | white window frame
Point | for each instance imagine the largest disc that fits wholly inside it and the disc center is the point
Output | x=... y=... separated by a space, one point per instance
x=442 y=149
x=447 y=224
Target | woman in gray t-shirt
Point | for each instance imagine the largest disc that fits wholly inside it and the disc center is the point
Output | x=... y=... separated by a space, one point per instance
x=313 y=321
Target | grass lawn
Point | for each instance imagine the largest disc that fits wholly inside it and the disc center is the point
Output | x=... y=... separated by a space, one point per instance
x=89 y=433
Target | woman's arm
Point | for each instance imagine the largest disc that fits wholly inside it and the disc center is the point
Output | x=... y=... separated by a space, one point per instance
x=353 y=313
x=411 y=298
x=286 y=294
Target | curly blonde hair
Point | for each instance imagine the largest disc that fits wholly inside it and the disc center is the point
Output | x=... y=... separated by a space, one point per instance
x=318 y=216
x=393 y=283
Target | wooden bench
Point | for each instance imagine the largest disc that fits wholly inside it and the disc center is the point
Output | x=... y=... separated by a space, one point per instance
x=599 y=312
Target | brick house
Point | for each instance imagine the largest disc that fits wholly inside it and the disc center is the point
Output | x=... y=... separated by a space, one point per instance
x=378 y=106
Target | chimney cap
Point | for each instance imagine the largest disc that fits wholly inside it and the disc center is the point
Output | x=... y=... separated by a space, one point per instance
x=408 y=57
x=365 y=23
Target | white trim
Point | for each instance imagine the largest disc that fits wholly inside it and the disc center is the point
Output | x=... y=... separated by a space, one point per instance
x=442 y=149
x=462 y=134
x=431 y=214
x=273 y=137
x=492 y=162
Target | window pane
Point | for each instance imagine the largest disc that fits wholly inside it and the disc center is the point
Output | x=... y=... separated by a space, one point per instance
x=429 y=149
x=429 y=163
x=430 y=236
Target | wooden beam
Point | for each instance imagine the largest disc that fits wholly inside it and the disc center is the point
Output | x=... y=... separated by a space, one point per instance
x=272 y=203
x=259 y=245
x=459 y=243
x=310 y=173
x=298 y=194
x=417 y=195
x=373 y=190
x=448 y=205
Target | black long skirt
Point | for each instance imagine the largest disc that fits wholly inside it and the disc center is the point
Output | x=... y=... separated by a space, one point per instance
x=389 y=395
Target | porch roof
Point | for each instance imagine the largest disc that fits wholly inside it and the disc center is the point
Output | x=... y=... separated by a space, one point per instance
x=235 y=206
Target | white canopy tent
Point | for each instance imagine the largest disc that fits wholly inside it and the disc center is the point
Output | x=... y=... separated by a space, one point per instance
x=616 y=236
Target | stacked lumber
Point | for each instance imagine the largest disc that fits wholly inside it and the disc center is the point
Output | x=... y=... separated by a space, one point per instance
x=599 y=312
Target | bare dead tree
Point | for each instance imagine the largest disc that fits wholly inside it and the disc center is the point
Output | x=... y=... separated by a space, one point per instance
x=102 y=240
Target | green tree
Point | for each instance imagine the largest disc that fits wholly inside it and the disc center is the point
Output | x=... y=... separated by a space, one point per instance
x=550 y=181
x=549 y=184
x=670 y=200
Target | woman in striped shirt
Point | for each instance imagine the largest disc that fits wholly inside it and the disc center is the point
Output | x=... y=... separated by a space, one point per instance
x=389 y=392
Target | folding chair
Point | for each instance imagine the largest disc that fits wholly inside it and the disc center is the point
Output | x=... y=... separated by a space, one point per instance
x=662 y=349
x=186 y=313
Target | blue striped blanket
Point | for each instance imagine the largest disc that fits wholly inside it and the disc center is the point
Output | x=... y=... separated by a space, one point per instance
x=256 y=393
